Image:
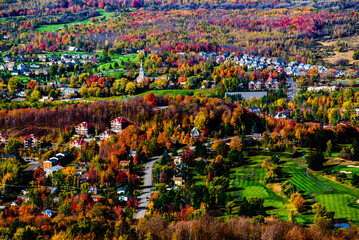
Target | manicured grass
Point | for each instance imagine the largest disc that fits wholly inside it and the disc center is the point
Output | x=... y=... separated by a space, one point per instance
x=254 y=186
x=342 y=199
x=183 y=92
x=55 y=27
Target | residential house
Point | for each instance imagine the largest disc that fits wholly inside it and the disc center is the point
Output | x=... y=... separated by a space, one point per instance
x=21 y=67
x=23 y=56
x=78 y=143
x=106 y=135
x=3 y=139
x=72 y=49
x=123 y=198
x=31 y=141
x=67 y=91
x=54 y=57
x=96 y=198
x=121 y=191
x=53 y=190
x=6 y=58
x=34 y=65
x=66 y=56
x=251 y=85
x=50 y=163
x=3 y=67
x=256 y=110
x=85 y=129
x=42 y=57
x=119 y=124
x=177 y=160
x=10 y=66
x=15 y=72
x=272 y=84
x=49 y=213
x=195 y=132
x=51 y=170
x=93 y=189
x=178 y=181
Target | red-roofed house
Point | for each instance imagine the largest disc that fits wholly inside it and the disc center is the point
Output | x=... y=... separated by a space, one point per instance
x=106 y=134
x=3 y=139
x=77 y=143
x=85 y=129
x=31 y=141
x=119 y=124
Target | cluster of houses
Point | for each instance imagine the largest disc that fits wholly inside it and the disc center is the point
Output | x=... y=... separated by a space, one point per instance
x=269 y=84
x=30 y=141
x=55 y=163
x=17 y=66
x=260 y=63
x=177 y=176
x=87 y=130
x=285 y=114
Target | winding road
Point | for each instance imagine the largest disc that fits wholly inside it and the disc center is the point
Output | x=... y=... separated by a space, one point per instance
x=235 y=182
x=146 y=190
x=315 y=180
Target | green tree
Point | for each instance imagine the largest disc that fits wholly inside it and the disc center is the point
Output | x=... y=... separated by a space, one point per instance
x=316 y=161
x=165 y=158
x=236 y=157
x=329 y=149
x=53 y=69
x=356 y=55
x=13 y=84
x=26 y=233
x=35 y=95
x=130 y=88
x=12 y=147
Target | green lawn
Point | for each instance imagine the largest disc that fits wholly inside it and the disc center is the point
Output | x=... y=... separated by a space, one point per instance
x=342 y=199
x=254 y=186
x=183 y=92
x=55 y=27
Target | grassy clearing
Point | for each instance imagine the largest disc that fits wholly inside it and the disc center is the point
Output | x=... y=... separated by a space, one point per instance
x=254 y=186
x=343 y=199
x=183 y=92
x=55 y=27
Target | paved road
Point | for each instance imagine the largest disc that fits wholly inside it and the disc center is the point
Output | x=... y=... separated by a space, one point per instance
x=315 y=180
x=146 y=191
x=235 y=182
x=33 y=167
x=291 y=90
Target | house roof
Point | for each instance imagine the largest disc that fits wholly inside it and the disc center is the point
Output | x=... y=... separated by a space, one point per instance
x=3 y=136
x=84 y=124
x=55 y=168
x=78 y=142
x=120 y=120
x=109 y=132
x=31 y=136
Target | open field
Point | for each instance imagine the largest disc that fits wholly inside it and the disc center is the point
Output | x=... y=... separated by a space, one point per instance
x=342 y=199
x=254 y=186
x=55 y=27
x=183 y=92
x=351 y=42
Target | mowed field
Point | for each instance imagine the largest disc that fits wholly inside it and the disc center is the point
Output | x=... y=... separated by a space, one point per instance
x=55 y=27
x=343 y=199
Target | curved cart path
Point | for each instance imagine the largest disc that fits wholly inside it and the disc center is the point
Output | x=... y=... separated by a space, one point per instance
x=315 y=180
x=235 y=182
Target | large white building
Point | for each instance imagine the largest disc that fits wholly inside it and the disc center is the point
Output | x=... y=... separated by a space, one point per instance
x=141 y=75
